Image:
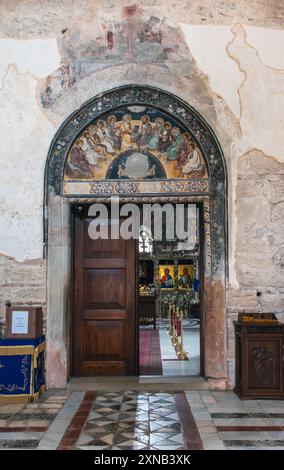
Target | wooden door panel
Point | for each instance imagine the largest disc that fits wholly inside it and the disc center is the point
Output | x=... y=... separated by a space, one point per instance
x=104 y=340
x=100 y=314
x=103 y=368
x=104 y=326
x=102 y=248
x=104 y=263
x=105 y=288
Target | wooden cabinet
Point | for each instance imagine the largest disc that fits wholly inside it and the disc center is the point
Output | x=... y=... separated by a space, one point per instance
x=28 y=326
x=259 y=360
x=147 y=310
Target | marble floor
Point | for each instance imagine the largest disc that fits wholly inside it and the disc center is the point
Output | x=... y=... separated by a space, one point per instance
x=130 y=420
x=172 y=366
x=115 y=420
x=226 y=422
x=22 y=426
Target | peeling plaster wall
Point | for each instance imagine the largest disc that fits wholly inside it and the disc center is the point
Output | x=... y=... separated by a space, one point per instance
x=25 y=135
x=259 y=259
x=224 y=58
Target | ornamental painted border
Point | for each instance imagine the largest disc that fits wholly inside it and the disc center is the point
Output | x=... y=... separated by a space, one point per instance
x=172 y=105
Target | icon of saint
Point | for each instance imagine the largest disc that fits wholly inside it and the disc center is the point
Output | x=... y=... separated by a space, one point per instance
x=166 y=280
x=185 y=280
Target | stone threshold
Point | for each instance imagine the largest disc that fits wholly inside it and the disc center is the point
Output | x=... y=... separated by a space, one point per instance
x=146 y=384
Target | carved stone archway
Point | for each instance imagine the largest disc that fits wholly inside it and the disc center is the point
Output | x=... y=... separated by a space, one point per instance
x=212 y=194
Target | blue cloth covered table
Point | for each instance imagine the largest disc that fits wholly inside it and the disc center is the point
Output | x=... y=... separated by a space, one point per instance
x=21 y=369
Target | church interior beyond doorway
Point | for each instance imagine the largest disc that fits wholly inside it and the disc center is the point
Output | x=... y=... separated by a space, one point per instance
x=169 y=310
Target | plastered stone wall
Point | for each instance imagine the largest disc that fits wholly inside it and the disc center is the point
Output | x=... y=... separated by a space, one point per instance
x=224 y=58
x=23 y=283
x=259 y=259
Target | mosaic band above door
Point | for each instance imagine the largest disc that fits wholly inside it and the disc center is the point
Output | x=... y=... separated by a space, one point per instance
x=134 y=149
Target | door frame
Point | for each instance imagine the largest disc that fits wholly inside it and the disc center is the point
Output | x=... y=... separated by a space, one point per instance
x=57 y=245
x=201 y=263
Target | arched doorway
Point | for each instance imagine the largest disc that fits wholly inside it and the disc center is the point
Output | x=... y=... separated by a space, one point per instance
x=69 y=182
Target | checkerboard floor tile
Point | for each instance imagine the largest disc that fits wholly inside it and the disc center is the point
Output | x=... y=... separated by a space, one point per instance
x=132 y=420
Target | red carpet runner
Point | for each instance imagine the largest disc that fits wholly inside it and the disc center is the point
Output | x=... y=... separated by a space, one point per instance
x=150 y=360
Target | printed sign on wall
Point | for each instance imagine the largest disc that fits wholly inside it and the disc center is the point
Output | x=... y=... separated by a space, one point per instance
x=20 y=322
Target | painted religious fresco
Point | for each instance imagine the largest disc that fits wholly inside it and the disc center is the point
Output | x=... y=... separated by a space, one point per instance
x=135 y=143
x=118 y=36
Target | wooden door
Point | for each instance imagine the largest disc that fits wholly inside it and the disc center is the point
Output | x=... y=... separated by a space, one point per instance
x=104 y=326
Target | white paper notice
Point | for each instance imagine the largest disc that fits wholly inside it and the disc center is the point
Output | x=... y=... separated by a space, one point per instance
x=20 y=321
